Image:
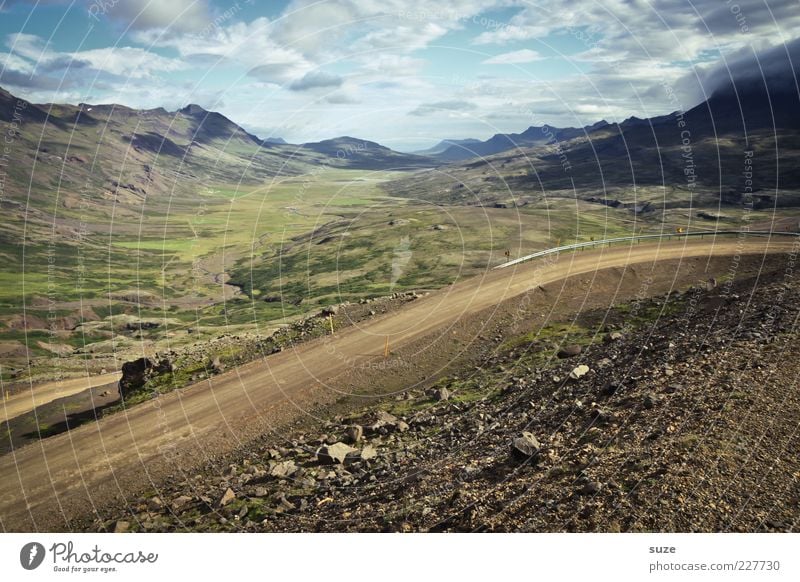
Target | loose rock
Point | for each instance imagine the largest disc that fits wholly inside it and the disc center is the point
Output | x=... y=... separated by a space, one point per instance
x=579 y=372
x=569 y=351
x=335 y=453
x=525 y=447
x=227 y=497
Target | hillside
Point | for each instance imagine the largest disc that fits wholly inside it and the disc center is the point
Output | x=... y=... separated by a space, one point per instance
x=447 y=143
x=738 y=149
x=500 y=142
x=115 y=216
x=367 y=155
x=656 y=414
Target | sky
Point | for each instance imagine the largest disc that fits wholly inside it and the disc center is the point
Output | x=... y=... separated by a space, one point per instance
x=403 y=73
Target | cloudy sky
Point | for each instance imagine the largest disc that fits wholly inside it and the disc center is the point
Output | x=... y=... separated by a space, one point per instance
x=404 y=73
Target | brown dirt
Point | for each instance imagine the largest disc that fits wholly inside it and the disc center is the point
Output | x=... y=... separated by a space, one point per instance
x=99 y=464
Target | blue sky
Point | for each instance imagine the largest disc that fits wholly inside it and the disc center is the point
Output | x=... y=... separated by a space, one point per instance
x=404 y=73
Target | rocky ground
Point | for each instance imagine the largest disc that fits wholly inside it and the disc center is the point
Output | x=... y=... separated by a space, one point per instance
x=677 y=413
x=163 y=372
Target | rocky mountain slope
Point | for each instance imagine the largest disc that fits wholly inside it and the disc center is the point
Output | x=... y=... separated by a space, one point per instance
x=367 y=155
x=676 y=413
x=501 y=142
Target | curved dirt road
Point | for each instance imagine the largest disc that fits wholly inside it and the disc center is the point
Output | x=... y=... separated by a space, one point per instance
x=62 y=474
x=25 y=401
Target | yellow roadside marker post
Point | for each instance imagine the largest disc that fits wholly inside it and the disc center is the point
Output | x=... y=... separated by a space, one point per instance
x=386 y=348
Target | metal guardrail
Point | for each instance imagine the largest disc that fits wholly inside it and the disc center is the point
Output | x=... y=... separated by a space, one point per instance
x=609 y=241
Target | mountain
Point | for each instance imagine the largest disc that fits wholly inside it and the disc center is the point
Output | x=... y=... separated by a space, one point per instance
x=11 y=106
x=112 y=169
x=210 y=126
x=363 y=154
x=275 y=140
x=120 y=150
x=500 y=142
x=740 y=147
x=446 y=143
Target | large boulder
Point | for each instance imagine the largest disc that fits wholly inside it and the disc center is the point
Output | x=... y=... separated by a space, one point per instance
x=569 y=351
x=135 y=374
x=335 y=453
x=525 y=447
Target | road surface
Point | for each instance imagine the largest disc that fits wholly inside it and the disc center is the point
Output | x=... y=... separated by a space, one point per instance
x=39 y=394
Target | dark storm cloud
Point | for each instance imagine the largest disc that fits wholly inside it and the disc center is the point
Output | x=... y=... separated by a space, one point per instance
x=777 y=68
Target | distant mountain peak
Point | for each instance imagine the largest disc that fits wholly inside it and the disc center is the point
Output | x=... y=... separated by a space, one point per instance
x=194 y=110
x=275 y=141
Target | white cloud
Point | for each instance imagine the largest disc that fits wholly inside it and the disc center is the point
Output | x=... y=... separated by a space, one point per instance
x=442 y=107
x=32 y=64
x=248 y=44
x=395 y=57
x=128 y=62
x=514 y=57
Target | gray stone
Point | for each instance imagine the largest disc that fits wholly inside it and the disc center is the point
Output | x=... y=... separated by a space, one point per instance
x=578 y=372
x=354 y=434
x=330 y=310
x=335 y=453
x=180 y=502
x=227 y=497
x=569 y=351
x=155 y=504
x=525 y=447
x=591 y=487
x=217 y=366
x=283 y=469
x=122 y=526
x=651 y=400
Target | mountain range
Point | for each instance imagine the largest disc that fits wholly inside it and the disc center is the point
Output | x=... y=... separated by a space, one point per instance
x=741 y=146
x=163 y=151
